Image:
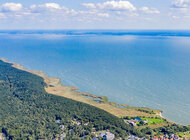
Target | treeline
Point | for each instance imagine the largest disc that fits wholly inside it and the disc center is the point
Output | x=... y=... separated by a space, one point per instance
x=172 y=129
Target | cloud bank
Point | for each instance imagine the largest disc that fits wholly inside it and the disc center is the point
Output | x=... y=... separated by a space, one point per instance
x=98 y=14
x=104 y=9
x=11 y=7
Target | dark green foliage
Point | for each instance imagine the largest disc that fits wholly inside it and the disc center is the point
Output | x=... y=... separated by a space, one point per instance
x=147 y=131
x=28 y=112
x=172 y=129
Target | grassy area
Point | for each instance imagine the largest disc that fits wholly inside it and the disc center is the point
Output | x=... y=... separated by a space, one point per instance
x=152 y=120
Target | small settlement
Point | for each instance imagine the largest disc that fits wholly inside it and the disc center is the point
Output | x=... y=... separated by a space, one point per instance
x=106 y=135
x=166 y=137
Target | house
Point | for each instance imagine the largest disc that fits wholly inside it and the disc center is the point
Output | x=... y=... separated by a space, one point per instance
x=58 y=121
x=77 y=122
x=86 y=123
x=155 y=138
x=172 y=135
x=176 y=137
x=62 y=136
x=107 y=135
x=132 y=137
x=161 y=137
x=132 y=123
x=2 y=136
x=138 y=119
x=62 y=127
x=145 y=121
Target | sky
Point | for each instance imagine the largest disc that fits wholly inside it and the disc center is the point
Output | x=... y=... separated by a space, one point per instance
x=94 y=14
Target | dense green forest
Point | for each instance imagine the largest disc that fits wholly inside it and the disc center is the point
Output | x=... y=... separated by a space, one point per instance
x=28 y=112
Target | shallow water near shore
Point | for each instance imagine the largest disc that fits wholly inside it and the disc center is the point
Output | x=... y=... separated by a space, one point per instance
x=139 y=70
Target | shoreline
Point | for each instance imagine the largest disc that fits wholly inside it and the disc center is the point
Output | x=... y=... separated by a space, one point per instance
x=55 y=87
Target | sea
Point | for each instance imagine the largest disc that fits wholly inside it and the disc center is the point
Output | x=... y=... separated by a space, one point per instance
x=142 y=68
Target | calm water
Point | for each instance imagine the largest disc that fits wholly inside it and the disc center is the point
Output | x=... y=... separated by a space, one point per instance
x=150 y=69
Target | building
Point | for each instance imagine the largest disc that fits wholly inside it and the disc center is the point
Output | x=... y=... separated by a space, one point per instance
x=2 y=136
x=62 y=136
x=62 y=127
x=58 y=121
x=132 y=137
x=107 y=135
x=138 y=119
x=132 y=123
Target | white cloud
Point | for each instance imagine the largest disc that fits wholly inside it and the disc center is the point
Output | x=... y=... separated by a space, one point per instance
x=112 y=8
x=11 y=7
x=89 y=5
x=112 y=5
x=46 y=7
x=117 y=5
x=181 y=4
x=149 y=10
x=51 y=5
x=103 y=15
x=122 y=8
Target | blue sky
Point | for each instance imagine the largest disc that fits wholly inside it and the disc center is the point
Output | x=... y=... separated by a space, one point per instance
x=95 y=14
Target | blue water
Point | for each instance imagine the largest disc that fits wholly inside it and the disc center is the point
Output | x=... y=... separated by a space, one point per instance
x=139 y=68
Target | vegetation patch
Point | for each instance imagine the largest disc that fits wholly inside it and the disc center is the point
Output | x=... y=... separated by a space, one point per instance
x=152 y=120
